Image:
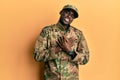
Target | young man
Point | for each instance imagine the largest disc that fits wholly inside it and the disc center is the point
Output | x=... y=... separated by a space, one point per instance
x=62 y=47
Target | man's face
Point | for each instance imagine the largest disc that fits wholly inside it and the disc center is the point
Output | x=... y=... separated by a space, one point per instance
x=67 y=17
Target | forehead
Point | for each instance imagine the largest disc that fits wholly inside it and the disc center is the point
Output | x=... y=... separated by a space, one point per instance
x=69 y=10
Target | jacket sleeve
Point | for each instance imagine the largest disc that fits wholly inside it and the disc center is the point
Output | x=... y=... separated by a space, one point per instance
x=42 y=50
x=82 y=52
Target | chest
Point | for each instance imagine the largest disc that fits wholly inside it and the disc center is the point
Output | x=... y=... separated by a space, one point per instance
x=55 y=34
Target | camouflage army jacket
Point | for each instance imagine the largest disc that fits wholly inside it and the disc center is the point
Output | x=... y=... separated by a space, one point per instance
x=60 y=66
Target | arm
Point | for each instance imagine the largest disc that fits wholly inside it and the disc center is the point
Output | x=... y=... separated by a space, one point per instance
x=42 y=50
x=81 y=54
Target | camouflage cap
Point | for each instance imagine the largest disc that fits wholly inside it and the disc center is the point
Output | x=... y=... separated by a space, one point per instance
x=68 y=7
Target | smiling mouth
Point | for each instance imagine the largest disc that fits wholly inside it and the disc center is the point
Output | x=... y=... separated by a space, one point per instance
x=67 y=19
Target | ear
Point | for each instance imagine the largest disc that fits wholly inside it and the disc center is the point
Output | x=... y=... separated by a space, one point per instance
x=61 y=12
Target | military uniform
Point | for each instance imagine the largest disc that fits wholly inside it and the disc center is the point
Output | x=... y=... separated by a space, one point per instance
x=60 y=66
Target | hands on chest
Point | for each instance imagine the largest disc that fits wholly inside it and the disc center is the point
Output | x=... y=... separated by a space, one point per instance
x=65 y=43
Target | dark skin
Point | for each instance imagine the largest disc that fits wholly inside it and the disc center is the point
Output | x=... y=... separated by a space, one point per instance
x=65 y=44
x=66 y=18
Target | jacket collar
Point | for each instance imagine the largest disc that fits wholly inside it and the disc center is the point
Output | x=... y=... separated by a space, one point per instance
x=61 y=27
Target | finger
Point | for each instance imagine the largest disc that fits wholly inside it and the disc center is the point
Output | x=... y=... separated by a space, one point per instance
x=71 y=44
x=58 y=43
x=65 y=39
x=71 y=41
x=73 y=38
x=60 y=40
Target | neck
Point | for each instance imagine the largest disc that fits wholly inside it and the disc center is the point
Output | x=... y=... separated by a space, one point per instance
x=65 y=26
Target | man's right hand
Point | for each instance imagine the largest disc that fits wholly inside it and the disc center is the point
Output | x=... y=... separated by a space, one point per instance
x=65 y=44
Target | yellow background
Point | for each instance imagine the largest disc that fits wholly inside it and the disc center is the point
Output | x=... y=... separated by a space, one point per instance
x=22 y=20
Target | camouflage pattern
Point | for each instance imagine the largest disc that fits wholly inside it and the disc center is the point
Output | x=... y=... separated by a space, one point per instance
x=60 y=66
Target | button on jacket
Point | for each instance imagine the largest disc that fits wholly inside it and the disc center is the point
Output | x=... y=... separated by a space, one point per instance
x=61 y=65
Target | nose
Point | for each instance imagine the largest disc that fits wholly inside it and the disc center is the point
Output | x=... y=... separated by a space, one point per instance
x=70 y=17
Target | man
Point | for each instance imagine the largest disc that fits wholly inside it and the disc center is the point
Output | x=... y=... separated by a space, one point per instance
x=62 y=47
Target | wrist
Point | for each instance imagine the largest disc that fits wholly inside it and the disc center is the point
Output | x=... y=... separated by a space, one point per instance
x=71 y=52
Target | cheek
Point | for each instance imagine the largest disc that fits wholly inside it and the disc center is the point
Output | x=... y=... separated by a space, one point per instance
x=61 y=18
x=71 y=19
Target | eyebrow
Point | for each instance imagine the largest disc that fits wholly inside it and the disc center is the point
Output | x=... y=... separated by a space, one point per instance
x=69 y=11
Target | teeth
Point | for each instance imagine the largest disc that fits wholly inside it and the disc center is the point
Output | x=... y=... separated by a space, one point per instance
x=67 y=19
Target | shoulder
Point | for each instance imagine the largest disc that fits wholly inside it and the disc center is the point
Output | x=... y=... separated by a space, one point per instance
x=49 y=27
x=76 y=30
x=46 y=30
